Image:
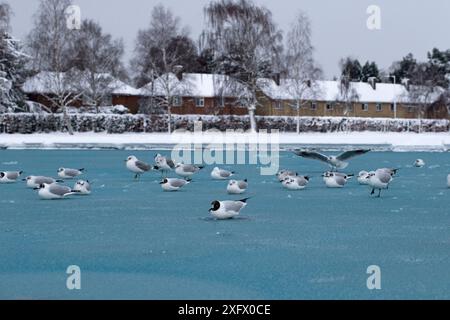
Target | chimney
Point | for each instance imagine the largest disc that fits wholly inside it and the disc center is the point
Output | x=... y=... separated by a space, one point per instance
x=178 y=70
x=373 y=82
x=277 y=79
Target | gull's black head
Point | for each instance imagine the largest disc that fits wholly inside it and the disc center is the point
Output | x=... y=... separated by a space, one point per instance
x=164 y=181
x=60 y=169
x=2 y=174
x=215 y=206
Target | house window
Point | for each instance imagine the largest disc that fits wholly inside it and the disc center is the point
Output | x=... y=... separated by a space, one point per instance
x=392 y=107
x=313 y=106
x=379 y=107
x=177 y=101
x=410 y=109
x=278 y=104
x=365 y=107
x=199 y=102
x=329 y=107
x=350 y=107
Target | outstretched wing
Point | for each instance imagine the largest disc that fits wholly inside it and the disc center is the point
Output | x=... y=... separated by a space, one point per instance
x=142 y=165
x=351 y=154
x=312 y=155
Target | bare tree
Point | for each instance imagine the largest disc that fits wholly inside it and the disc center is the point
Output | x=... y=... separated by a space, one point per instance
x=300 y=66
x=162 y=49
x=98 y=57
x=49 y=44
x=246 y=44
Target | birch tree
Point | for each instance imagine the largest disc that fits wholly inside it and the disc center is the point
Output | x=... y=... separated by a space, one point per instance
x=246 y=44
x=300 y=66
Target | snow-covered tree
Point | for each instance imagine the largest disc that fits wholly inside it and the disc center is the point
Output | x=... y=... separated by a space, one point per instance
x=12 y=66
x=49 y=46
x=246 y=44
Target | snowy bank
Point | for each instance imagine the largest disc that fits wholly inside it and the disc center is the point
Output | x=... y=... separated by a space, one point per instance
x=376 y=140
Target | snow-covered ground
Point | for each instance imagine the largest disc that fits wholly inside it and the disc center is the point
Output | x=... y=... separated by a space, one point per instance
x=388 y=141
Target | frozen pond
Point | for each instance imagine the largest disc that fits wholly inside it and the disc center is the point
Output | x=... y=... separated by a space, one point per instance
x=133 y=241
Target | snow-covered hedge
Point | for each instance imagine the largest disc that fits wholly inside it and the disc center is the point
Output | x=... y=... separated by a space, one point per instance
x=43 y=123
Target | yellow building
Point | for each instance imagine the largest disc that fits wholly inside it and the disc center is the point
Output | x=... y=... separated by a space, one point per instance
x=331 y=98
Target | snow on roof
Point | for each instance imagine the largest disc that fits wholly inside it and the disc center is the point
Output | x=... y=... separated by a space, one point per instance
x=330 y=91
x=195 y=85
x=46 y=82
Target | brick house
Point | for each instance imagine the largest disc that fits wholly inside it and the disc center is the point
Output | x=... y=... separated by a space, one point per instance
x=329 y=98
x=44 y=86
x=196 y=93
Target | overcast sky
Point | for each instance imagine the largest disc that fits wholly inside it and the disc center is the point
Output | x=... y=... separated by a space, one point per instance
x=339 y=27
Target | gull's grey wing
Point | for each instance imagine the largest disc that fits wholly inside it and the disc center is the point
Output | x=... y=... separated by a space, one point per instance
x=225 y=173
x=177 y=183
x=351 y=154
x=59 y=190
x=170 y=163
x=340 y=180
x=12 y=175
x=301 y=181
x=142 y=165
x=242 y=185
x=234 y=206
x=190 y=168
x=312 y=155
x=72 y=172
x=41 y=180
x=384 y=176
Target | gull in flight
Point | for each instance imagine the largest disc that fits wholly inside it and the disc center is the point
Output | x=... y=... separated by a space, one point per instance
x=335 y=162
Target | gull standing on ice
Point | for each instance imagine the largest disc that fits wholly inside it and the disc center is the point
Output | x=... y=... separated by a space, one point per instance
x=295 y=182
x=335 y=162
x=9 y=176
x=221 y=174
x=223 y=210
x=335 y=179
x=237 y=187
x=380 y=180
x=137 y=166
x=173 y=184
x=83 y=187
x=36 y=181
x=67 y=173
x=186 y=170
x=163 y=164
x=54 y=191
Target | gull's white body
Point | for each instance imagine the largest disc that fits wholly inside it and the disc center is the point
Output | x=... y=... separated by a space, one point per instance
x=83 y=187
x=419 y=163
x=36 y=181
x=10 y=176
x=46 y=194
x=221 y=174
x=174 y=184
x=67 y=173
x=237 y=187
